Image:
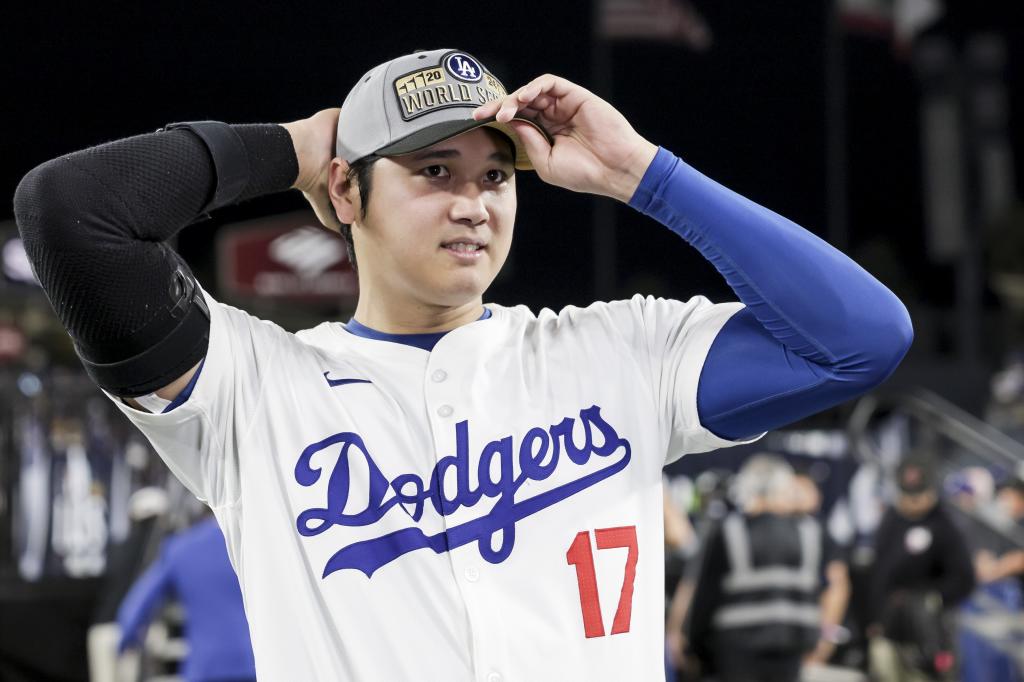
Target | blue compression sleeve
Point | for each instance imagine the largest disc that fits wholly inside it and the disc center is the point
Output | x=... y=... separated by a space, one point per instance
x=817 y=329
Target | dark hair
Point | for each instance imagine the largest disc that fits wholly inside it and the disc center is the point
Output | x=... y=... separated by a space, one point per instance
x=362 y=172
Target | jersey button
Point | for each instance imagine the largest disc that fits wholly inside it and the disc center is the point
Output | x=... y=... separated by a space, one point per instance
x=472 y=575
x=438 y=376
x=494 y=677
x=445 y=411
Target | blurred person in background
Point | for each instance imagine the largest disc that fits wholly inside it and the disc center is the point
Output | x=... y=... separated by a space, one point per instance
x=992 y=622
x=922 y=571
x=754 y=614
x=835 y=575
x=679 y=535
x=1010 y=498
x=1010 y=508
x=194 y=568
x=711 y=494
x=680 y=539
x=126 y=561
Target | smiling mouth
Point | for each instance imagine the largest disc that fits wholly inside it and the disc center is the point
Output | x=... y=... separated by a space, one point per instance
x=465 y=250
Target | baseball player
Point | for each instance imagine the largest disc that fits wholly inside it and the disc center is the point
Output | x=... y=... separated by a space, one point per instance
x=441 y=488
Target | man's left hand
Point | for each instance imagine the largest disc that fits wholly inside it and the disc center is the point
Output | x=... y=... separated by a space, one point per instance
x=595 y=148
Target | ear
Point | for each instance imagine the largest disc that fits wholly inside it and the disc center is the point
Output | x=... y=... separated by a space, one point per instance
x=343 y=192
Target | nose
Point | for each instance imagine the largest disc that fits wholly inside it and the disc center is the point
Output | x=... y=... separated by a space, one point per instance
x=468 y=206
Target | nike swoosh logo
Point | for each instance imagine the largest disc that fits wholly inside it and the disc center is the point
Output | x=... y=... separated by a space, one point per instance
x=341 y=382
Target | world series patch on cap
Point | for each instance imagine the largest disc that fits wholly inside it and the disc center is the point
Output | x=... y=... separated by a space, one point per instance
x=417 y=100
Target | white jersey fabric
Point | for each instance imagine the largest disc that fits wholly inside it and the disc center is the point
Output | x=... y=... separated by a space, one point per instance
x=320 y=453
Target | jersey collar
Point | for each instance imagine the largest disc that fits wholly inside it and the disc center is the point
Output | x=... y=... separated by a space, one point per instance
x=423 y=341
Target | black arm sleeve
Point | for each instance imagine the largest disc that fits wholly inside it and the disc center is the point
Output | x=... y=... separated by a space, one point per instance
x=94 y=224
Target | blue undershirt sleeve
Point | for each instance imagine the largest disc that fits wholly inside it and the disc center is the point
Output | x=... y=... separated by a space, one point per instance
x=817 y=329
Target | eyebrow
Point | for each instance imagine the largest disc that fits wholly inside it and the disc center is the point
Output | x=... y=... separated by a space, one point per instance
x=500 y=156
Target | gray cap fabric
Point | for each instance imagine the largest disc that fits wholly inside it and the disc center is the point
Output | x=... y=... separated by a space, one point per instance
x=417 y=100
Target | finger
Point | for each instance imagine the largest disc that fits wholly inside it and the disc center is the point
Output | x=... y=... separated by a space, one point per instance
x=534 y=110
x=487 y=109
x=530 y=113
x=505 y=108
x=492 y=107
x=549 y=88
x=524 y=97
x=509 y=108
x=542 y=102
x=543 y=95
x=536 y=145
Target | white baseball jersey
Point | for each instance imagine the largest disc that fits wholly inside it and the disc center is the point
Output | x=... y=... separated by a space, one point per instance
x=489 y=510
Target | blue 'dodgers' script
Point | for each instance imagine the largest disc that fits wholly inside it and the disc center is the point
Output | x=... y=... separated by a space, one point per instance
x=540 y=452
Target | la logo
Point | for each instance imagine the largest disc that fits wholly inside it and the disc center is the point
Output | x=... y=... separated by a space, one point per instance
x=463 y=67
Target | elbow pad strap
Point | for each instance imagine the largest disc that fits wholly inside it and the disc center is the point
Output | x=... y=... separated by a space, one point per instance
x=187 y=343
x=229 y=156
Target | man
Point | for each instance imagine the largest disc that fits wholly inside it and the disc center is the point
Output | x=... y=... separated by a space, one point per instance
x=754 y=614
x=436 y=489
x=922 y=571
x=835 y=574
x=193 y=567
x=1010 y=508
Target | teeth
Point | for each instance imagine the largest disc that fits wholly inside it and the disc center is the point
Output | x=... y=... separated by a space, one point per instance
x=463 y=248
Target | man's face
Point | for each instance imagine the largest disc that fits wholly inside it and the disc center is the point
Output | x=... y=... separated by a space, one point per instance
x=916 y=505
x=806 y=496
x=1011 y=503
x=439 y=222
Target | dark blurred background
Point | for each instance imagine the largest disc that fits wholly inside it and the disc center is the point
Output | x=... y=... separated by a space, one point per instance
x=888 y=128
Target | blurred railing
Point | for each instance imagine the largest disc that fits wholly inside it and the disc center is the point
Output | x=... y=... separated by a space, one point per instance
x=954 y=437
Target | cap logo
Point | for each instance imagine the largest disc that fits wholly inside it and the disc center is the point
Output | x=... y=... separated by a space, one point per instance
x=444 y=86
x=463 y=67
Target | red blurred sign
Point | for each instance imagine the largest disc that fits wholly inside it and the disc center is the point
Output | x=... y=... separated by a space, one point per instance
x=284 y=257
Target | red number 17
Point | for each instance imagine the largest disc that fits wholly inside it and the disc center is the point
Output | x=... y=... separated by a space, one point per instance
x=580 y=556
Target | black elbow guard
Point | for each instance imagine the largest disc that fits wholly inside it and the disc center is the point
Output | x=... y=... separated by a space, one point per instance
x=187 y=324
x=94 y=224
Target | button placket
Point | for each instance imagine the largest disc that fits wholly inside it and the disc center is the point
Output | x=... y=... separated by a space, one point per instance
x=441 y=392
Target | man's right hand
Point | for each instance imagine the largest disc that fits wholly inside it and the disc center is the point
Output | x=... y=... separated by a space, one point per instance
x=314 y=138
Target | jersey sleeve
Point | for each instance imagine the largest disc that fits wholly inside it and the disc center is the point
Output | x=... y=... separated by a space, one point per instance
x=816 y=330
x=199 y=440
x=677 y=336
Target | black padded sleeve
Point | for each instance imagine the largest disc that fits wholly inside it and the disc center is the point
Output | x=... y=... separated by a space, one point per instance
x=94 y=224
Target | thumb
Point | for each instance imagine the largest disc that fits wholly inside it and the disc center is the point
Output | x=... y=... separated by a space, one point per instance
x=536 y=145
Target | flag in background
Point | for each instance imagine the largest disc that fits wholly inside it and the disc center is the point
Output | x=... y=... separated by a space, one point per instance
x=670 y=21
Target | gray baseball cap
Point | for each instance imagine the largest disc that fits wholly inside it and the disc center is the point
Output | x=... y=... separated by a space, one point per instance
x=417 y=100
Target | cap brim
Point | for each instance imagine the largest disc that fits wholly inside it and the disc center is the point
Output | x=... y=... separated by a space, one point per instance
x=431 y=135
